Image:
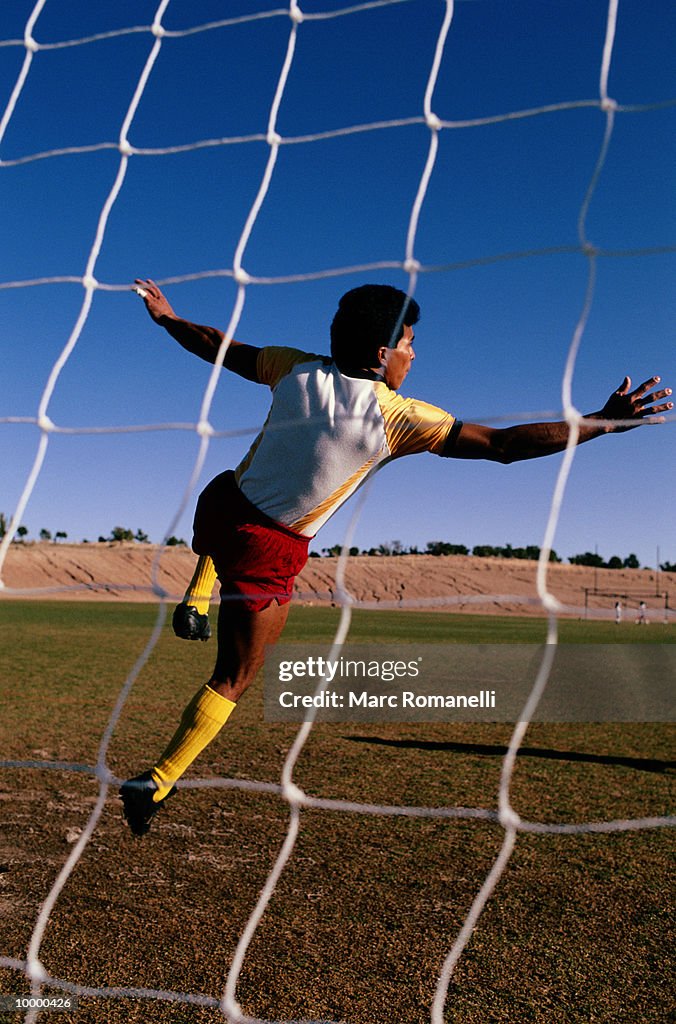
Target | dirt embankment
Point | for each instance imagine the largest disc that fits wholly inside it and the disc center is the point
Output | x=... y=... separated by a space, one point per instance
x=141 y=572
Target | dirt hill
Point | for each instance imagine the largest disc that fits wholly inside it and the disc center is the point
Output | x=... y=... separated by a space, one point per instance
x=126 y=572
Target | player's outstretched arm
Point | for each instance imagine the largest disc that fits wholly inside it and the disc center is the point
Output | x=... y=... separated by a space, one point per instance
x=202 y=341
x=624 y=410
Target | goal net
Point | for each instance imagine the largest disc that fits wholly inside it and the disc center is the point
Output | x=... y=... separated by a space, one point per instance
x=211 y=154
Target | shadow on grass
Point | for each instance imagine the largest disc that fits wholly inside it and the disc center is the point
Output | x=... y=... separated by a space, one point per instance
x=641 y=764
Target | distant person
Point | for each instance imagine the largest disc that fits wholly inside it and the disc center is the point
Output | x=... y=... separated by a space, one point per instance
x=333 y=422
x=642 y=620
x=618 y=613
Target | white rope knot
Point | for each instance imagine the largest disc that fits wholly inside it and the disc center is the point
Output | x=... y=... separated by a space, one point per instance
x=125 y=147
x=31 y=45
x=411 y=266
x=204 y=429
x=158 y=31
x=46 y=424
x=296 y=14
x=35 y=970
x=572 y=416
x=433 y=122
x=240 y=275
x=104 y=774
x=608 y=104
x=89 y=283
x=343 y=596
x=509 y=819
x=292 y=793
x=231 y=1008
x=273 y=138
x=551 y=603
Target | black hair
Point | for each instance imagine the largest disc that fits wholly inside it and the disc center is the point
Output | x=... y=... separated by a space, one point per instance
x=369 y=318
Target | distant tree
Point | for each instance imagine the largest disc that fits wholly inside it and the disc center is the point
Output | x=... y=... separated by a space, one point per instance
x=3 y=524
x=614 y=562
x=45 y=534
x=21 y=532
x=530 y=551
x=668 y=566
x=120 y=533
x=335 y=549
x=442 y=547
x=60 y=535
x=123 y=533
x=588 y=558
x=484 y=551
x=173 y=542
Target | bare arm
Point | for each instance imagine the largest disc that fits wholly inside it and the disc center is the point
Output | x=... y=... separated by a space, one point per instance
x=533 y=440
x=202 y=341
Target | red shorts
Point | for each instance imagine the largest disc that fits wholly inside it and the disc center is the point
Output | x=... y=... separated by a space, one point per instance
x=255 y=558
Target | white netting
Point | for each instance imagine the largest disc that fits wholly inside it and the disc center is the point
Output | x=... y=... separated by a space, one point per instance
x=287 y=790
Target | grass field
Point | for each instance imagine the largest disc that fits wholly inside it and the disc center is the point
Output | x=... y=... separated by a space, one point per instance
x=579 y=930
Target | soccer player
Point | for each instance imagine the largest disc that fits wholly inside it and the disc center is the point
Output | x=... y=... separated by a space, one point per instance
x=333 y=422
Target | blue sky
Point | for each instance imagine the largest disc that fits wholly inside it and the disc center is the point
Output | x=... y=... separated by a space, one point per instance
x=494 y=335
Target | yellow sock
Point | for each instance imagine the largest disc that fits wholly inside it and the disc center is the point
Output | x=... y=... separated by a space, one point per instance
x=201 y=721
x=201 y=585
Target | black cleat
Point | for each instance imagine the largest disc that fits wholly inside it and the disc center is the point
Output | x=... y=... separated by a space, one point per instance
x=189 y=624
x=137 y=801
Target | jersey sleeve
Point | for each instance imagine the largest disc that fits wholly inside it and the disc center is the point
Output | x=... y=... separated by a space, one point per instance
x=275 y=361
x=412 y=426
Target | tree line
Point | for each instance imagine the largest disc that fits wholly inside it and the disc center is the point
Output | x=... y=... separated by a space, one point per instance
x=123 y=533
x=118 y=533
x=530 y=551
x=389 y=549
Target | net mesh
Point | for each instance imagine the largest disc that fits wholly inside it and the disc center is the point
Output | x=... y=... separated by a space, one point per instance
x=287 y=790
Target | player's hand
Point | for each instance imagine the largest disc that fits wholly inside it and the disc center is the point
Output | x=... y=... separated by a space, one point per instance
x=155 y=302
x=640 y=404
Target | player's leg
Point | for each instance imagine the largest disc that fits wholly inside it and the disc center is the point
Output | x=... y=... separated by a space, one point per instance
x=191 y=616
x=242 y=637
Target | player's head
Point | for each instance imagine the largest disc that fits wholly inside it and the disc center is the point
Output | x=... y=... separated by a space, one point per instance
x=370 y=319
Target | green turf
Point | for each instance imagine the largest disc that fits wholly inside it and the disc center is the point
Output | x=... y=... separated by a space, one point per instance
x=578 y=932
x=319 y=624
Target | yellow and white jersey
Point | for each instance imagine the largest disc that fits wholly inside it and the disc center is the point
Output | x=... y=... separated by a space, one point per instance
x=324 y=436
